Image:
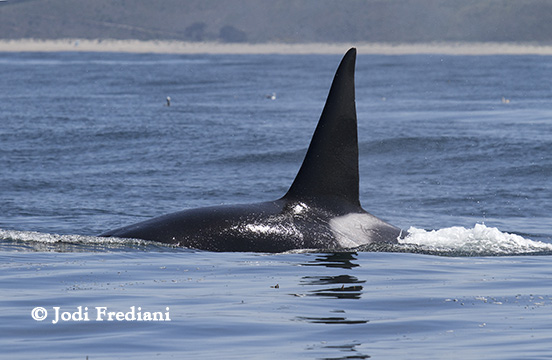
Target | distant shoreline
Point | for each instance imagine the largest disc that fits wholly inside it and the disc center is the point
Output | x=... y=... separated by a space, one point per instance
x=179 y=47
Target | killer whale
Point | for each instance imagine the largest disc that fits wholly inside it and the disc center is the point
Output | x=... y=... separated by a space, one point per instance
x=321 y=209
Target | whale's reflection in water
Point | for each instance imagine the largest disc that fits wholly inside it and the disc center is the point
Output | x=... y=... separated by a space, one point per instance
x=349 y=350
x=343 y=260
x=341 y=286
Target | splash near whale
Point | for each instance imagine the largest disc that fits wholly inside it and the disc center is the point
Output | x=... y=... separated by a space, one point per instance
x=321 y=209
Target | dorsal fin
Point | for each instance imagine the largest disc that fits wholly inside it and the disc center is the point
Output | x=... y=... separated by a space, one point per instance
x=330 y=167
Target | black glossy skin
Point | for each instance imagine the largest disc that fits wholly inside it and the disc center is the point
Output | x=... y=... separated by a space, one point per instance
x=321 y=210
x=273 y=226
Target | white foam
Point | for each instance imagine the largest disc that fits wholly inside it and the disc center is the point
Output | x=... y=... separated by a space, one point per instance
x=32 y=236
x=480 y=239
x=46 y=238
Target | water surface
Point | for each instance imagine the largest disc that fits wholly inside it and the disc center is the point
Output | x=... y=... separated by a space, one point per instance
x=454 y=148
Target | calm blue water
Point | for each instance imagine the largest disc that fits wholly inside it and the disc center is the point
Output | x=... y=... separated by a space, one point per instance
x=454 y=148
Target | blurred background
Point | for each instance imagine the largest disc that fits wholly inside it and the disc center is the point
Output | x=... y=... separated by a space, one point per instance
x=281 y=21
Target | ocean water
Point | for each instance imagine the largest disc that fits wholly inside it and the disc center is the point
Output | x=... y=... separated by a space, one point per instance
x=456 y=149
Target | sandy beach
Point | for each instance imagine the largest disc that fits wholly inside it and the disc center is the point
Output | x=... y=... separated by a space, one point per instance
x=178 y=47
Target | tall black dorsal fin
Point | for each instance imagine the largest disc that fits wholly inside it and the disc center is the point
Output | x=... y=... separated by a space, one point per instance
x=330 y=167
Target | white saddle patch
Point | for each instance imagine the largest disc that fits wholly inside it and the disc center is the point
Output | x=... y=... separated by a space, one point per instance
x=353 y=229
